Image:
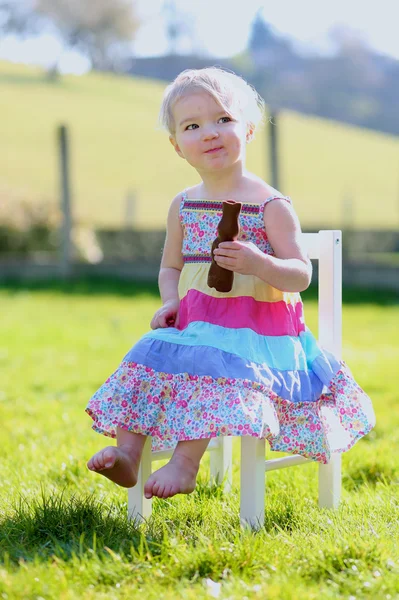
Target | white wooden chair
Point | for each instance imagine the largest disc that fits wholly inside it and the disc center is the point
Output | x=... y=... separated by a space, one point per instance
x=326 y=247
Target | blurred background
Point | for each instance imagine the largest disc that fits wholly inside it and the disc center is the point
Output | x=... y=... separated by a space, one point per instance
x=87 y=175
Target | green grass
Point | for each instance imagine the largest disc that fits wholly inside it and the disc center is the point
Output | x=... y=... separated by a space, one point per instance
x=63 y=530
x=116 y=147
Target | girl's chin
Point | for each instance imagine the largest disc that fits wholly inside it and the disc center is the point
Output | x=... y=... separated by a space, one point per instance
x=218 y=161
x=219 y=165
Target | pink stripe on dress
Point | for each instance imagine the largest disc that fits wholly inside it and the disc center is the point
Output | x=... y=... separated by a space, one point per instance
x=265 y=318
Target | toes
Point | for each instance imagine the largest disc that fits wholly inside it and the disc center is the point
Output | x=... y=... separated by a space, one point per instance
x=105 y=459
x=148 y=488
x=160 y=490
x=157 y=489
x=165 y=483
x=166 y=491
x=170 y=491
x=153 y=488
x=95 y=463
x=99 y=461
x=108 y=458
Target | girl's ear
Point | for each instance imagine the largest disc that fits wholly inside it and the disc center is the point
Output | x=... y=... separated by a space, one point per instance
x=175 y=146
x=250 y=134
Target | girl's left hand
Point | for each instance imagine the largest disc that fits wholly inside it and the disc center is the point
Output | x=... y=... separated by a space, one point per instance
x=240 y=257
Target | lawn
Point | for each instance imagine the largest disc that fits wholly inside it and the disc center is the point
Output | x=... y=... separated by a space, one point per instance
x=63 y=530
x=334 y=173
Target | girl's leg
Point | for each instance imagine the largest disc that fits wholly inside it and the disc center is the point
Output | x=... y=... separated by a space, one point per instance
x=120 y=463
x=180 y=474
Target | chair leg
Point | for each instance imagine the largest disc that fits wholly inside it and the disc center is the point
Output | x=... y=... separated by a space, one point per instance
x=330 y=483
x=221 y=462
x=252 y=492
x=139 y=507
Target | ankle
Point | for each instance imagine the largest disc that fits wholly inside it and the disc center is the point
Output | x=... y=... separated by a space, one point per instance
x=185 y=461
x=131 y=450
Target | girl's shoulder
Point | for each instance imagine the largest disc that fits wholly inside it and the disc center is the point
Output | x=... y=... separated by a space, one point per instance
x=262 y=193
x=192 y=193
x=257 y=191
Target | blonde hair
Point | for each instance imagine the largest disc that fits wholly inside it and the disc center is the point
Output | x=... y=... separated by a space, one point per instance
x=229 y=90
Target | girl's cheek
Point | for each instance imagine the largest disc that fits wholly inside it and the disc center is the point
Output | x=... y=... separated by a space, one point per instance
x=192 y=145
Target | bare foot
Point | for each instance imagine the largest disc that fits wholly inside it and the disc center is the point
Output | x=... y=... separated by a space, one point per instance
x=177 y=477
x=118 y=463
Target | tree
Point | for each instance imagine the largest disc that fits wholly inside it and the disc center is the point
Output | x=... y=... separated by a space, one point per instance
x=261 y=38
x=270 y=54
x=100 y=29
x=266 y=48
x=179 y=25
x=17 y=16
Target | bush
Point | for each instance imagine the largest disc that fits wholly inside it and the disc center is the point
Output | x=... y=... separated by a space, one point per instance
x=27 y=228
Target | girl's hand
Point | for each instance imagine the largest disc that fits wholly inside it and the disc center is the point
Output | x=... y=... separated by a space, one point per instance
x=167 y=315
x=240 y=257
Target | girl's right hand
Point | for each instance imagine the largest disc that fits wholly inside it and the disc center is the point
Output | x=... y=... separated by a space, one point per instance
x=167 y=315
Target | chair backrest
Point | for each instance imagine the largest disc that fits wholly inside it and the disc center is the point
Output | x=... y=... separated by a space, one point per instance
x=326 y=247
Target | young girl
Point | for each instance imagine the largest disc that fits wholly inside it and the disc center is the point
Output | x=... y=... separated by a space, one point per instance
x=236 y=363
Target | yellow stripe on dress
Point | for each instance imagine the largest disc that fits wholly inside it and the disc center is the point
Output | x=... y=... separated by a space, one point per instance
x=194 y=277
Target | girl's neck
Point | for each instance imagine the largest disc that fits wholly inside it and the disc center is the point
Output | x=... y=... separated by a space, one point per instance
x=221 y=186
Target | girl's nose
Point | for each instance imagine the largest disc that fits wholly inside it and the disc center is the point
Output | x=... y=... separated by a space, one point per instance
x=210 y=134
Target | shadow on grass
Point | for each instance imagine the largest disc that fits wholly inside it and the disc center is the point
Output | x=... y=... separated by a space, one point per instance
x=43 y=527
x=96 y=286
x=67 y=527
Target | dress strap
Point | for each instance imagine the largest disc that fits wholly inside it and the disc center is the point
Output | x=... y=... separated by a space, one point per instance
x=182 y=204
x=275 y=197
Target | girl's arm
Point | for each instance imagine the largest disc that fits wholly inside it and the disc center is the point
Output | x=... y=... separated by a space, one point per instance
x=290 y=269
x=172 y=258
x=171 y=266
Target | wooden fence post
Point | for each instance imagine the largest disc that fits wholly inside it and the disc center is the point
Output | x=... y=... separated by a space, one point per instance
x=65 y=196
x=273 y=146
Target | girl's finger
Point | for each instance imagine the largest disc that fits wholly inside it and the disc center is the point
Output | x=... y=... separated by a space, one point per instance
x=229 y=245
x=159 y=321
x=225 y=262
x=226 y=266
x=224 y=252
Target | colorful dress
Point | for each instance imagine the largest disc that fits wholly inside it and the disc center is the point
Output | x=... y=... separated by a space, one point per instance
x=240 y=363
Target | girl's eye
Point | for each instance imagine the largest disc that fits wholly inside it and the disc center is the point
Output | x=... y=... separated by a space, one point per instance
x=193 y=126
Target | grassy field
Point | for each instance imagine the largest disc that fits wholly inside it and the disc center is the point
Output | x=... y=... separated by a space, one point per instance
x=116 y=146
x=63 y=530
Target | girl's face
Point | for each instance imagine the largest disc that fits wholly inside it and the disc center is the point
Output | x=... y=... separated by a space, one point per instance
x=206 y=136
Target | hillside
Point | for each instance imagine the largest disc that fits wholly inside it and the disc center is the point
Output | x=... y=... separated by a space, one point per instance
x=116 y=147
